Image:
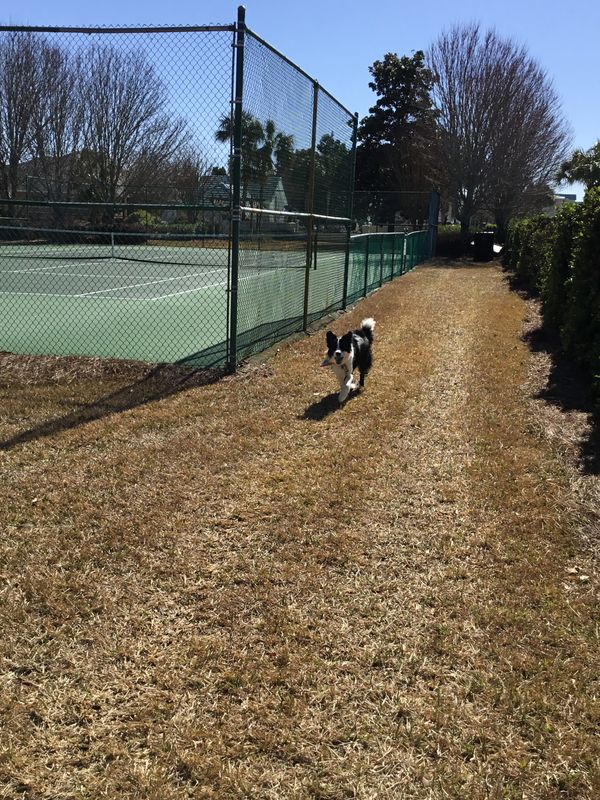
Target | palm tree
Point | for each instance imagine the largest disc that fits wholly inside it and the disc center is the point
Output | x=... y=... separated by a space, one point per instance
x=264 y=151
x=275 y=155
x=252 y=135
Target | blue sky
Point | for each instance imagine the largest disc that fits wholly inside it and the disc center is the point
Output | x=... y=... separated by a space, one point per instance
x=335 y=42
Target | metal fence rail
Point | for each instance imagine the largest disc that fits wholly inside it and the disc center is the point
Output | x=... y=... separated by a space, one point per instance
x=209 y=219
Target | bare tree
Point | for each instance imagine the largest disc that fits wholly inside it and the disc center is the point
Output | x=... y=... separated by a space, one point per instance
x=57 y=126
x=127 y=130
x=180 y=180
x=190 y=179
x=19 y=96
x=502 y=134
x=531 y=137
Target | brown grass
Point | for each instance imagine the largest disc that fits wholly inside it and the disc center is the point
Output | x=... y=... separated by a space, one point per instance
x=236 y=590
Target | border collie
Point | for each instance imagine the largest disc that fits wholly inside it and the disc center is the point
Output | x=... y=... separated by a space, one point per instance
x=347 y=352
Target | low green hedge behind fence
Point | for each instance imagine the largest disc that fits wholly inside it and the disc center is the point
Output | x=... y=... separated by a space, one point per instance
x=559 y=257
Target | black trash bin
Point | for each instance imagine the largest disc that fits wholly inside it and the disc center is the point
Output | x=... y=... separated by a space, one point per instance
x=483 y=247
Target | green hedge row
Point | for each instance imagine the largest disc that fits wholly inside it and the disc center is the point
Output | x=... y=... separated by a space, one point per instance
x=559 y=257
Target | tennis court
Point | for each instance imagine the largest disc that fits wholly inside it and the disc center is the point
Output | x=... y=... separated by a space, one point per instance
x=163 y=300
x=134 y=301
x=166 y=299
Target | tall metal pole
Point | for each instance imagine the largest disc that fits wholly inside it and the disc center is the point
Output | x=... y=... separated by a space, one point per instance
x=310 y=204
x=434 y=210
x=350 y=211
x=236 y=180
x=366 y=285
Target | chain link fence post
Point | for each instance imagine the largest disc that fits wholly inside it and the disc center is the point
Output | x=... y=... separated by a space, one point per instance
x=434 y=210
x=310 y=204
x=350 y=212
x=236 y=170
x=366 y=284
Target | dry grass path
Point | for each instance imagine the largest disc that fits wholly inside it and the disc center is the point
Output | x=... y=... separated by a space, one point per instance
x=240 y=591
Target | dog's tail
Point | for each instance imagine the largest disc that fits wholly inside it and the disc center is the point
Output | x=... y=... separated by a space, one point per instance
x=366 y=328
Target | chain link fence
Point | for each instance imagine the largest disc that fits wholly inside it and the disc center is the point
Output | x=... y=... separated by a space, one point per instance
x=175 y=194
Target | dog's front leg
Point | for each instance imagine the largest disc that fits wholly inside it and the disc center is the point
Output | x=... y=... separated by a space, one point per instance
x=343 y=395
x=347 y=384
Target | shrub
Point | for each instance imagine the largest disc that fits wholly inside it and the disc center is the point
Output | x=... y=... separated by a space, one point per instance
x=146 y=218
x=555 y=268
x=526 y=250
x=560 y=258
x=449 y=242
x=581 y=329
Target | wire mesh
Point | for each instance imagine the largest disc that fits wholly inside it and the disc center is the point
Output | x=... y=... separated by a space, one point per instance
x=326 y=277
x=334 y=160
x=334 y=157
x=276 y=131
x=296 y=177
x=376 y=258
x=275 y=165
x=114 y=194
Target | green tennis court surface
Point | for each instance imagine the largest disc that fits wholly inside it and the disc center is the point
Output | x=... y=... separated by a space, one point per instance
x=143 y=302
x=159 y=302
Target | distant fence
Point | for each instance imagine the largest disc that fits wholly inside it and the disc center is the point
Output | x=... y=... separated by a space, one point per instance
x=378 y=257
x=179 y=195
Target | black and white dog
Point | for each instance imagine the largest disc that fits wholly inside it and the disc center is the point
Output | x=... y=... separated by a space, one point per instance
x=348 y=352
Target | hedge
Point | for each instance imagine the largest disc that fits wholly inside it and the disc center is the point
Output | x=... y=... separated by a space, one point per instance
x=559 y=257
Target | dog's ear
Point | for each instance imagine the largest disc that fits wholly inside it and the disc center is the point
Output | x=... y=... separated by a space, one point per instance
x=346 y=342
x=331 y=341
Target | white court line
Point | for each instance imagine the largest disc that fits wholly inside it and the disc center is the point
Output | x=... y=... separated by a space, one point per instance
x=36 y=269
x=177 y=294
x=138 y=285
x=129 y=299
x=204 y=286
x=163 y=280
x=139 y=299
x=97 y=276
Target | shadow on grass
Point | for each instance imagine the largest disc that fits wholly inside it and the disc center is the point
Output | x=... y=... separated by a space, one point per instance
x=327 y=405
x=569 y=390
x=164 y=380
x=321 y=408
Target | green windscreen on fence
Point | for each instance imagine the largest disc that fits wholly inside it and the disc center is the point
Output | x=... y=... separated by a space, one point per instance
x=376 y=258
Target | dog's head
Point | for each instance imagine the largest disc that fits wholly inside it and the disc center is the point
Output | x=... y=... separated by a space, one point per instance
x=339 y=349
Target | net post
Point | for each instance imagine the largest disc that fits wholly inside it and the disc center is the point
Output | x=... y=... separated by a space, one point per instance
x=310 y=204
x=236 y=176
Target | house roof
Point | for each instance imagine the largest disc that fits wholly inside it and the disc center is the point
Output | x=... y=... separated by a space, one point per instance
x=216 y=187
x=267 y=189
